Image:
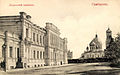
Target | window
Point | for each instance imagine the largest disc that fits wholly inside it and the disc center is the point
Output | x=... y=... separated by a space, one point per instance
x=43 y=55
x=34 y=54
x=43 y=40
x=10 y=48
x=37 y=38
x=51 y=39
x=55 y=56
x=33 y=36
x=26 y=32
x=18 y=53
x=40 y=54
x=3 y=52
x=37 y=54
x=51 y=55
x=40 y=39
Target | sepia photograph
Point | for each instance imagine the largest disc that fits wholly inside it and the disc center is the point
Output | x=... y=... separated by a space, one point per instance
x=59 y=37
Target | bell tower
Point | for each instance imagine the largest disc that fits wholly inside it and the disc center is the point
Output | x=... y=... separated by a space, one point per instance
x=108 y=36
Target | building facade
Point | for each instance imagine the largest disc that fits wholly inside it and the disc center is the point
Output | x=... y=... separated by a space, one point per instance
x=69 y=54
x=94 y=50
x=56 y=47
x=24 y=44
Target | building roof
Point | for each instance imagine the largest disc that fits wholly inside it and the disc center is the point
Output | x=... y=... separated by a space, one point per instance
x=96 y=42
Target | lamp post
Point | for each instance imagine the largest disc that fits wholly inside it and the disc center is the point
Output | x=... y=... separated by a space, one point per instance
x=5 y=46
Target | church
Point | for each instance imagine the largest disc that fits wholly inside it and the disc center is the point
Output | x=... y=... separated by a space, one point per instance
x=94 y=50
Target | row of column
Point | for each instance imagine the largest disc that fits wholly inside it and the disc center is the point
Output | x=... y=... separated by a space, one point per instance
x=56 y=41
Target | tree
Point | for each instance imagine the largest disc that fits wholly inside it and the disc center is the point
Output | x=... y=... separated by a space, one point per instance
x=117 y=50
x=113 y=50
x=110 y=50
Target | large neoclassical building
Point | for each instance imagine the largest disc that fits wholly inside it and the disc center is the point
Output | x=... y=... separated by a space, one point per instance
x=25 y=44
x=94 y=50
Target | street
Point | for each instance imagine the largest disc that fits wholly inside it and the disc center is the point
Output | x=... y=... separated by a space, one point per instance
x=74 y=69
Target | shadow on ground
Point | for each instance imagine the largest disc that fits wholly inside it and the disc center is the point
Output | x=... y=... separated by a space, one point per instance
x=98 y=72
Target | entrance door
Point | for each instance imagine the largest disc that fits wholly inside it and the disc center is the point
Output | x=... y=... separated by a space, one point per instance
x=61 y=62
x=18 y=53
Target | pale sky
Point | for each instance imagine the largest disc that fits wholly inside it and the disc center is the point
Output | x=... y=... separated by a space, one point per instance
x=78 y=20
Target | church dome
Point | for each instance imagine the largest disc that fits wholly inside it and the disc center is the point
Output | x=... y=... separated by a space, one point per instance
x=108 y=30
x=96 y=42
x=92 y=43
